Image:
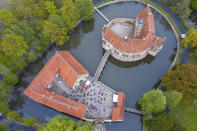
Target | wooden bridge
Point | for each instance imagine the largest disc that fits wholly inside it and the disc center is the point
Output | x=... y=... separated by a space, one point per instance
x=102 y=15
x=101 y=65
x=130 y=110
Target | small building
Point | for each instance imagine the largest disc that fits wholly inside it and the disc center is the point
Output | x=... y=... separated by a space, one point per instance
x=132 y=39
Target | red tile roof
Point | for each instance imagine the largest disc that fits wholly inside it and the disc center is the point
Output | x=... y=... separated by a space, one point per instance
x=134 y=45
x=57 y=102
x=69 y=68
x=118 y=112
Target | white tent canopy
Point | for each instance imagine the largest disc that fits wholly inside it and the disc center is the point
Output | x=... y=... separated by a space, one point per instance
x=115 y=98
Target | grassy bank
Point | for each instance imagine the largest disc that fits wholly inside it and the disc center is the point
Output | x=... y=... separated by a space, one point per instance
x=186 y=115
x=103 y=2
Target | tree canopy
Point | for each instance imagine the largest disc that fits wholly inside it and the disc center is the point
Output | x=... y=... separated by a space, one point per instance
x=183 y=79
x=163 y=122
x=85 y=8
x=180 y=7
x=194 y=4
x=62 y=123
x=14 y=45
x=173 y=98
x=47 y=21
x=153 y=101
x=191 y=38
x=70 y=14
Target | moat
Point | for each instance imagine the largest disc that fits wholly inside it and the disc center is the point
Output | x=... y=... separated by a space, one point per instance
x=85 y=45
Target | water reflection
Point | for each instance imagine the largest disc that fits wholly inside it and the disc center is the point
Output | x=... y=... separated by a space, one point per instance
x=147 y=60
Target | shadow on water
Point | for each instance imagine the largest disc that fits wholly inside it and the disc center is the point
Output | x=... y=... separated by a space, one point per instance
x=147 y=60
x=77 y=34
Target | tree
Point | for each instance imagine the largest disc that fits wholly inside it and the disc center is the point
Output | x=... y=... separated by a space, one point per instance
x=14 y=45
x=173 y=98
x=194 y=4
x=30 y=121
x=23 y=28
x=153 y=101
x=162 y=122
x=86 y=9
x=180 y=7
x=56 y=19
x=10 y=79
x=191 y=39
x=62 y=123
x=7 y=17
x=15 y=116
x=4 y=127
x=31 y=56
x=51 y=7
x=4 y=107
x=54 y=33
x=70 y=14
x=193 y=55
x=183 y=79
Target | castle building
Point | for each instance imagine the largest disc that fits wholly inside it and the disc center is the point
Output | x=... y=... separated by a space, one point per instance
x=130 y=39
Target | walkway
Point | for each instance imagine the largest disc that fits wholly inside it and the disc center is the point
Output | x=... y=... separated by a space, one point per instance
x=101 y=65
x=105 y=18
x=130 y=110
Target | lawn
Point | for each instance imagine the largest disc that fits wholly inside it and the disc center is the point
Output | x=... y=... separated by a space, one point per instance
x=186 y=115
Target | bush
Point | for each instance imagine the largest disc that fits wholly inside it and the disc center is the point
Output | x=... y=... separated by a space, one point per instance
x=15 y=116
x=62 y=123
x=4 y=107
x=30 y=121
x=153 y=101
x=39 y=49
x=173 y=98
x=4 y=127
x=10 y=79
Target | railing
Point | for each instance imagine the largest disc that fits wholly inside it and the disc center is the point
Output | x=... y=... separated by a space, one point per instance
x=130 y=110
x=102 y=15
